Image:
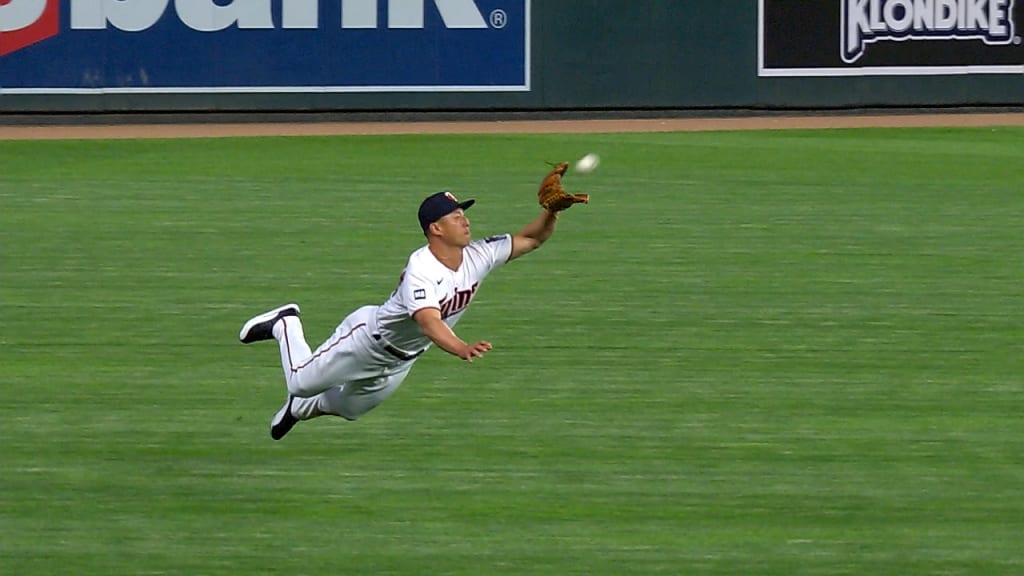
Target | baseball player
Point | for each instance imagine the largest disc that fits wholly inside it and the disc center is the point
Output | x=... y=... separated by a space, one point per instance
x=374 y=347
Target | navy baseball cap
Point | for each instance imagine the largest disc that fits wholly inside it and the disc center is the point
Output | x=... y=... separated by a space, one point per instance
x=437 y=206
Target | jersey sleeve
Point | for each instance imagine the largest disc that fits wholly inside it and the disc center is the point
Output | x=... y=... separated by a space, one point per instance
x=495 y=250
x=418 y=290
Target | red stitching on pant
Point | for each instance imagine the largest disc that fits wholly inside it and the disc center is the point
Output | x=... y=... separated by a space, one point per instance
x=293 y=367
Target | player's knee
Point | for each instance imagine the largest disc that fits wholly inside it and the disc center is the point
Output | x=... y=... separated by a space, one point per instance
x=349 y=415
x=353 y=410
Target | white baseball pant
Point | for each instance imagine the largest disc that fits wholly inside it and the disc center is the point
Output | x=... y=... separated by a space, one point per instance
x=348 y=375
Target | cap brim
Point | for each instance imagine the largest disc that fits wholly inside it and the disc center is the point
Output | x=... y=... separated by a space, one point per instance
x=465 y=205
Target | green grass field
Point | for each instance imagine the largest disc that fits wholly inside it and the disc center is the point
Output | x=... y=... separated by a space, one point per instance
x=779 y=353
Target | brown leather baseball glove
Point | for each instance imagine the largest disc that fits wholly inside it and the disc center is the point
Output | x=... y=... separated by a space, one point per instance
x=552 y=196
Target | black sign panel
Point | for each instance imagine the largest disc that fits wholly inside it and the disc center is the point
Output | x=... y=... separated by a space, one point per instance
x=890 y=37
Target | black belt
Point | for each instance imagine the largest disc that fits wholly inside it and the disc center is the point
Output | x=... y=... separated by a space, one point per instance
x=400 y=354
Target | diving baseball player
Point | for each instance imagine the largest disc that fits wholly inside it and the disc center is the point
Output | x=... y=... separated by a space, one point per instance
x=374 y=347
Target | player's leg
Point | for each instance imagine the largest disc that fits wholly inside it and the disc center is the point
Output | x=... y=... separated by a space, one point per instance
x=349 y=401
x=291 y=338
x=355 y=399
x=347 y=356
x=283 y=324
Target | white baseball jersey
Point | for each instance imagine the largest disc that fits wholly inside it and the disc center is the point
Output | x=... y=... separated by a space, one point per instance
x=427 y=283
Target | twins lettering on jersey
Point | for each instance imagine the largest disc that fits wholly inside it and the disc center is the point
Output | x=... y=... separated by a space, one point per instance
x=26 y=22
x=455 y=303
x=868 y=21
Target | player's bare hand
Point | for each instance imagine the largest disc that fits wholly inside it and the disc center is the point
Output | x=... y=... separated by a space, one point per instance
x=475 y=350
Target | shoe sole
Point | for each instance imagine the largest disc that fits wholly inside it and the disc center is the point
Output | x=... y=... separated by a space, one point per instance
x=272 y=315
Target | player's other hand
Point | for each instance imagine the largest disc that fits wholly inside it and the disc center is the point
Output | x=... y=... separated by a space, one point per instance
x=475 y=350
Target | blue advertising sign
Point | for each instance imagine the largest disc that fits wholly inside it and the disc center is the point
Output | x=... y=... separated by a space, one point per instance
x=260 y=46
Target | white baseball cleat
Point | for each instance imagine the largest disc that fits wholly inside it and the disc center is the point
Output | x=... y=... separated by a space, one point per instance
x=262 y=327
x=284 y=420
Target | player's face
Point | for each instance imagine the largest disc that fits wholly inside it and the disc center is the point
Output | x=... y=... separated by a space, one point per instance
x=455 y=228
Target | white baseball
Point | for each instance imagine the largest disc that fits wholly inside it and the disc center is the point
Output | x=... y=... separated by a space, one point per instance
x=587 y=163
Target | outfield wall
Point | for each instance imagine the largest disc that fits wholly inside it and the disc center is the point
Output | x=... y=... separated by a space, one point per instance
x=509 y=55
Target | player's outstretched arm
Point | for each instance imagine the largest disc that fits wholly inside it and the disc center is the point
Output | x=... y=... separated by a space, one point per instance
x=554 y=199
x=534 y=234
x=433 y=327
